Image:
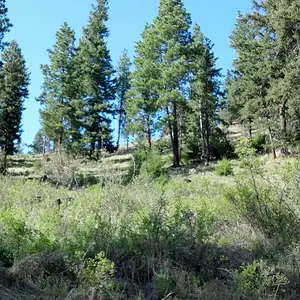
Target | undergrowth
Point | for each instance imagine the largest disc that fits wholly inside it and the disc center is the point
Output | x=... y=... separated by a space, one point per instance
x=148 y=238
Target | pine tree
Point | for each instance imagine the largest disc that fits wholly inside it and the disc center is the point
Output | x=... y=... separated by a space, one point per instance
x=204 y=93
x=96 y=74
x=123 y=86
x=283 y=17
x=5 y=24
x=14 y=81
x=41 y=143
x=61 y=111
x=249 y=89
x=172 y=25
x=142 y=99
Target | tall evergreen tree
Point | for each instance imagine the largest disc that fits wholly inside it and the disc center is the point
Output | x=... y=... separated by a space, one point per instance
x=283 y=17
x=204 y=93
x=173 y=33
x=5 y=24
x=98 y=85
x=14 y=81
x=41 y=143
x=61 y=113
x=123 y=86
x=254 y=69
x=142 y=99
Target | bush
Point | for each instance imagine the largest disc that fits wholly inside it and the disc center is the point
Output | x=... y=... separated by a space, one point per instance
x=258 y=143
x=148 y=163
x=266 y=205
x=99 y=272
x=3 y=163
x=62 y=169
x=260 y=280
x=220 y=146
x=244 y=149
x=224 y=168
x=154 y=165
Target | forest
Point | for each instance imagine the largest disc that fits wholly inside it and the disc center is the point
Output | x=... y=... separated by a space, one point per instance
x=158 y=177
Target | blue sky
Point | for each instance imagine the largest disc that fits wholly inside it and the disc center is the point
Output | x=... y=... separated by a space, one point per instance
x=36 y=22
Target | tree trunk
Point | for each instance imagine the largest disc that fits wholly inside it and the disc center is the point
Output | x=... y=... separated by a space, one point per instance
x=207 y=134
x=176 y=161
x=175 y=143
x=250 y=128
x=92 y=148
x=202 y=135
x=283 y=122
x=149 y=136
x=271 y=141
x=119 y=133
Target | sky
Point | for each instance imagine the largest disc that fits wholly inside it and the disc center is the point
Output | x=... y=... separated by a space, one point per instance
x=35 y=23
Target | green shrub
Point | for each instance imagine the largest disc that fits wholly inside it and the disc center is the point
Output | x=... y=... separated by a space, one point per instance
x=260 y=280
x=146 y=162
x=3 y=162
x=258 y=142
x=224 y=168
x=19 y=238
x=266 y=205
x=98 y=272
x=220 y=145
x=6 y=256
x=153 y=165
x=244 y=149
x=163 y=283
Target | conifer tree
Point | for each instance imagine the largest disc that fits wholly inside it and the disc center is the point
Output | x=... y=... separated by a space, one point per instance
x=14 y=81
x=204 y=93
x=123 y=86
x=283 y=17
x=173 y=33
x=5 y=24
x=96 y=74
x=61 y=111
x=41 y=143
x=142 y=99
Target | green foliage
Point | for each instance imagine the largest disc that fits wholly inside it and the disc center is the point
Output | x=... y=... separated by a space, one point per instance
x=224 y=167
x=245 y=149
x=14 y=81
x=153 y=165
x=19 y=238
x=164 y=283
x=258 y=279
x=3 y=162
x=141 y=105
x=220 y=144
x=98 y=272
x=146 y=162
x=123 y=85
x=265 y=204
x=5 y=24
x=6 y=257
x=97 y=85
x=205 y=91
x=61 y=110
x=258 y=143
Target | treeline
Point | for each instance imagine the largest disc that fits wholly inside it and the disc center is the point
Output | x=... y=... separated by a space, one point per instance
x=172 y=88
x=263 y=88
x=14 y=81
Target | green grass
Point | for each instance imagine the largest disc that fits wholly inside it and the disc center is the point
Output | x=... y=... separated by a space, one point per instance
x=186 y=236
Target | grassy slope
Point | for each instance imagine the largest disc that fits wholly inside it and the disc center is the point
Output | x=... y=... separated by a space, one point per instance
x=113 y=219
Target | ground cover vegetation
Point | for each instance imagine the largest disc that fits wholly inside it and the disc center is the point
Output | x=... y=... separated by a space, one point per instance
x=199 y=201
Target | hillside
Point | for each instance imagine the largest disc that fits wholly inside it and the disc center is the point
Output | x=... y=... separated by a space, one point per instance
x=190 y=235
